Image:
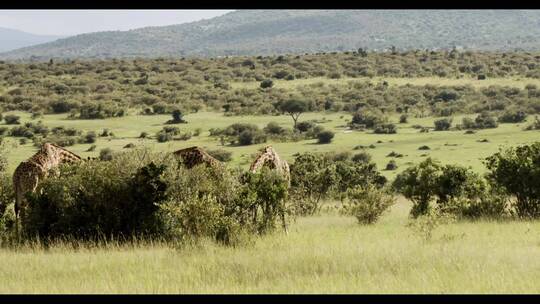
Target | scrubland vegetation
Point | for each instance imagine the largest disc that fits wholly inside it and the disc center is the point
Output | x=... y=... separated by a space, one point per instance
x=392 y=184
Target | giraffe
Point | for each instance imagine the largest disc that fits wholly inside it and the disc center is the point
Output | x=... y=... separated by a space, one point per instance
x=270 y=159
x=30 y=172
x=193 y=156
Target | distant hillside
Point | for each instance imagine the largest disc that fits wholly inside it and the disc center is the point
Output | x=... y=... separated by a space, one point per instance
x=14 y=39
x=264 y=32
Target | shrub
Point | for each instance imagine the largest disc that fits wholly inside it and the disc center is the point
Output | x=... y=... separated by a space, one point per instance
x=178 y=117
x=98 y=200
x=512 y=117
x=535 y=125
x=217 y=204
x=305 y=126
x=419 y=184
x=274 y=128
x=312 y=178
x=268 y=192
x=424 y=148
x=325 y=137
x=221 y=155
x=63 y=106
x=267 y=83
x=516 y=171
x=367 y=203
x=385 y=129
x=368 y=118
x=391 y=165
x=362 y=157
x=106 y=154
x=249 y=137
x=403 y=118
x=12 y=119
x=90 y=137
x=443 y=124
x=483 y=121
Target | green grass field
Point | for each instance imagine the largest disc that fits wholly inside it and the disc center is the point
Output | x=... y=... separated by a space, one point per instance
x=321 y=254
x=447 y=146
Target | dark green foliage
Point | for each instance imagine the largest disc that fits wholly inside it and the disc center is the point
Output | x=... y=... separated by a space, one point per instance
x=240 y=134
x=101 y=110
x=106 y=154
x=517 y=172
x=443 y=124
x=367 y=203
x=294 y=108
x=387 y=128
x=268 y=192
x=221 y=155
x=362 y=157
x=419 y=185
x=316 y=176
x=484 y=120
x=455 y=189
x=90 y=137
x=267 y=83
x=63 y=106
x=178 y=117
x=325 y=137
x=367 y=119
x=391 y=165
x=116 y=202
x=403 y=118
x=512 y=116
x=12 y=119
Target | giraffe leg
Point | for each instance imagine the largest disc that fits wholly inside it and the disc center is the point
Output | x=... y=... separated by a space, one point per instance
x=284 y=223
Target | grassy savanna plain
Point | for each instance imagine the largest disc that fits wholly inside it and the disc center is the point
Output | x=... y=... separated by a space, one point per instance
x=322 y=254
x=326 y=253
x=446 y=146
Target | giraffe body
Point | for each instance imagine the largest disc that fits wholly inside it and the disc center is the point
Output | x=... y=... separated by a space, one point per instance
x=270 y=159
x=195 y=156
x=29 y=173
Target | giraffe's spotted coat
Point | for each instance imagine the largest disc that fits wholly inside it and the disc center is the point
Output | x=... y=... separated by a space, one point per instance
x=30 y=172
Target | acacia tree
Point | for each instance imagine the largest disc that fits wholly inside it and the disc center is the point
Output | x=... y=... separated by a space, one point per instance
x=294 y=108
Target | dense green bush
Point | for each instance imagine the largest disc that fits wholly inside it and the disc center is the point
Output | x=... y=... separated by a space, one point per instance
x=325 y=137
x=12 y=119
x=368 y=119
x=456 y=190
x=517 y=172
x=443 y=124
x=512 y=116
x=221 y=155
x=484 y=120
x=362 y=157
x=240 y=134
x=367 y=203
x=98 y=200
x=312 y=179
x=387 y=128
x=419 y=184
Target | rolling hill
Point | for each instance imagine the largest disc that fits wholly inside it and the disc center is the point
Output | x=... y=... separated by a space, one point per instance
x=264 y=32
x=11 y=39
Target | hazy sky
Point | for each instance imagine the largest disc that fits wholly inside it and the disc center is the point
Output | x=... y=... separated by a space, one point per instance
x=72 y=22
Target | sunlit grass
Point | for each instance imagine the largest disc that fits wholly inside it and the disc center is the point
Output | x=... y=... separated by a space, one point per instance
x=321 y=254
x=447 y=146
